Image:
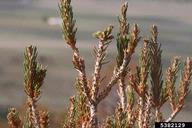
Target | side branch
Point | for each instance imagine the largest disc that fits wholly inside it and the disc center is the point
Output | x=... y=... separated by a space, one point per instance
x=134 y=39
x=69 y=34
x=183 y=88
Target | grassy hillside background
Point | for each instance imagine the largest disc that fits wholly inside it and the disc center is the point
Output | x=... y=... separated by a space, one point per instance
x=24 y=25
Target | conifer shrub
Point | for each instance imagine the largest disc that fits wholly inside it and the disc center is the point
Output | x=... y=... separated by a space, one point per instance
x=142 y=92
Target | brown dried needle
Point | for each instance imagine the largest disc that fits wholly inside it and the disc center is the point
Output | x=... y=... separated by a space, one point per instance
x=43 y=119
x=13 y=118
x=183 y=88
x=171 y=77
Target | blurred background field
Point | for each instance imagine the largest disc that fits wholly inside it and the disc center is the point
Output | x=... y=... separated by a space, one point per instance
x=25 y=22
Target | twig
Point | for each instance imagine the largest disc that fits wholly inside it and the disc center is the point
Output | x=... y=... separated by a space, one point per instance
x=127 y=57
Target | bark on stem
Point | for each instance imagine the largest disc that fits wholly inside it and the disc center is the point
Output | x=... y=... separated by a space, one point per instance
x=141 y=112
x=147 y=112
x=115 y=77
x=93 y=112
x=157 y=114
x=122 y=93
x=95 y=87
x=174 y=113
x=34 y=117
x=97 y=69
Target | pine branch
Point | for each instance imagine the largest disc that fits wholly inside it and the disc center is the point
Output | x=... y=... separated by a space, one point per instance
x=134 y=39
x=142 y=74
x=69 y=33
x=171 y=76
x=104 y=41
x=183 y=88
x=156 y=73
x=122 y=44
x=34 y=75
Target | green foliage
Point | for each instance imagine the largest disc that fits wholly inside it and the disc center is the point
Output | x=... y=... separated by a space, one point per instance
x=34 y=73
x=69 y=29
x=122 y=45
